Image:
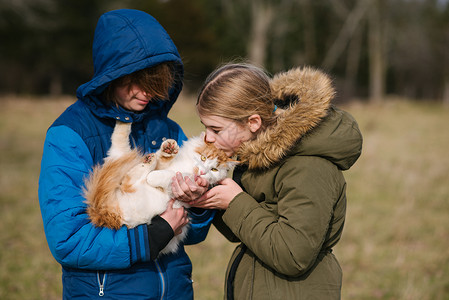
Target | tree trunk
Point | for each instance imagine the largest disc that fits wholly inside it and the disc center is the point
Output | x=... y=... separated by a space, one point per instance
x=376 y=53
x=351 y=24
x=280 y=28
x=446 y=93
x=309 y=31
x=261 y=16
x=352 y=64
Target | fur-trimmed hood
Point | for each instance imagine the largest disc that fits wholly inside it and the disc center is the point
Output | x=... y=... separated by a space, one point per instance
x=307 y=124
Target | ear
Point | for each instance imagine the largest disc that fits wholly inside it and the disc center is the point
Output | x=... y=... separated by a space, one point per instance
x=203 y=136
x=254 y=123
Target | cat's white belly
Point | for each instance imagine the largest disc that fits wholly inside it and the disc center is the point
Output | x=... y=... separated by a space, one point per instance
x=141 y=206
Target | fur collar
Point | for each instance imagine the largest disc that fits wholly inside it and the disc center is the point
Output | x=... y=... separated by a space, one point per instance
x=303 y=96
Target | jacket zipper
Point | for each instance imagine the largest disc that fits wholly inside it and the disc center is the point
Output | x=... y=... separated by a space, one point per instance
x=101 y=283
x=162 y=278
x=232 y=270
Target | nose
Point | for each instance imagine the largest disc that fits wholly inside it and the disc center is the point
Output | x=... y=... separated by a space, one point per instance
x=146 y=94
x=209 y=136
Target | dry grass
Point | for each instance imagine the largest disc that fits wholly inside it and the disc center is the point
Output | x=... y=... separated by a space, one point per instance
x=397 y=233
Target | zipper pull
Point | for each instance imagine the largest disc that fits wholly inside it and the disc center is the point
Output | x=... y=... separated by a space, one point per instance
x=101 y=283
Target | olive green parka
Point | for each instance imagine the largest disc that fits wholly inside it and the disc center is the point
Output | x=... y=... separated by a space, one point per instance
x=292 y=210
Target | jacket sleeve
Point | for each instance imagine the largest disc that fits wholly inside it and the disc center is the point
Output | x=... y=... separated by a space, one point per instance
x=290 y=240
x=199 y=226
x=223 y=228
x=72 y=239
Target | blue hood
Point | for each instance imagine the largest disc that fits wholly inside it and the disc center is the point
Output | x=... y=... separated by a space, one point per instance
x=126 y=41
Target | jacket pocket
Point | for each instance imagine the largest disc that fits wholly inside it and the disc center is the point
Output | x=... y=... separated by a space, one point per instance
x=81 y=285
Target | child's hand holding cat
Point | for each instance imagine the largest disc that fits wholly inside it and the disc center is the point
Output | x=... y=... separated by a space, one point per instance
x=218 y=197
x=175 y=217
x=186 y=190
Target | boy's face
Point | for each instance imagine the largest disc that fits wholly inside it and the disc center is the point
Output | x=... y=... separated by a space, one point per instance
x=132 y=97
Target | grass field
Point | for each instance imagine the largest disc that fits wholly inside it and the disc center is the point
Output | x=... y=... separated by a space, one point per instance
x=396 y=240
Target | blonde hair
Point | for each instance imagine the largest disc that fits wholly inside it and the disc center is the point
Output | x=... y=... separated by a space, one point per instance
x=155 y=81
x=237 y=91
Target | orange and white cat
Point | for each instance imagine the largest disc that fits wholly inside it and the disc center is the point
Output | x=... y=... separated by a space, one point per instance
x=131 y=188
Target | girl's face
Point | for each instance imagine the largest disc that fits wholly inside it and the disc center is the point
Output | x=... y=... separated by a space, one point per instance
x=226 y=134
x=132 y=98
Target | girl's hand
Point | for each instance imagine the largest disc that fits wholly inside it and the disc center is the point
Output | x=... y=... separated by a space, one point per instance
x=176 y=217
x=186 y=190
x=218 y=197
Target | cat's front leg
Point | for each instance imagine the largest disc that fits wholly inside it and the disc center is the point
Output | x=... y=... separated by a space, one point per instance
x=165 y=155
x=161 y=179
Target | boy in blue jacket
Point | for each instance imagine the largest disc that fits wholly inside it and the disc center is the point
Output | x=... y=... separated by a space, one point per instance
x=138 y=77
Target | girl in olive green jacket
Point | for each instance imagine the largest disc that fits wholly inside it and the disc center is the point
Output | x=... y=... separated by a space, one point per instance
x=286 y=202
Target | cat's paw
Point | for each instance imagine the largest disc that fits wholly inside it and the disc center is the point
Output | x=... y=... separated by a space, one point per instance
x=149 y=158
x=169 y=148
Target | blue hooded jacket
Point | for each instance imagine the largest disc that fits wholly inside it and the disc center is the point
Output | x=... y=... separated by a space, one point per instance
x=114 y=263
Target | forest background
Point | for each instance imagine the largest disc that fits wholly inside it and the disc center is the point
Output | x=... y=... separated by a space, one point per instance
x=390 y=63
x=371 y=47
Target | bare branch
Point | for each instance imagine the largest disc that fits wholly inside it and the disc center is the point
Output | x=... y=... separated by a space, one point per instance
x=346 y=33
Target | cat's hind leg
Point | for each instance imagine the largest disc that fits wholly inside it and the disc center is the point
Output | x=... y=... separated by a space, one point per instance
x=151 y=160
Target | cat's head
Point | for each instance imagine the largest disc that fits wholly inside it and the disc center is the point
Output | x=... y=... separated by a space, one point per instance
x=212 y=163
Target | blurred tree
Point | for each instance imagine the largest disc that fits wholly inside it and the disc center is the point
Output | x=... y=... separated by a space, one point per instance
x=188 y=25
x=348 y=42
x=376 y=46
x=262 y=15
x=308 y=16
x=47 y=44
x=351 y=21
x=67 y=43
x=13 y=29
x=263 y=25
x=354 y=48
x=371 y=47
x=418 y=49
x=442 y=49
x=438 y=30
